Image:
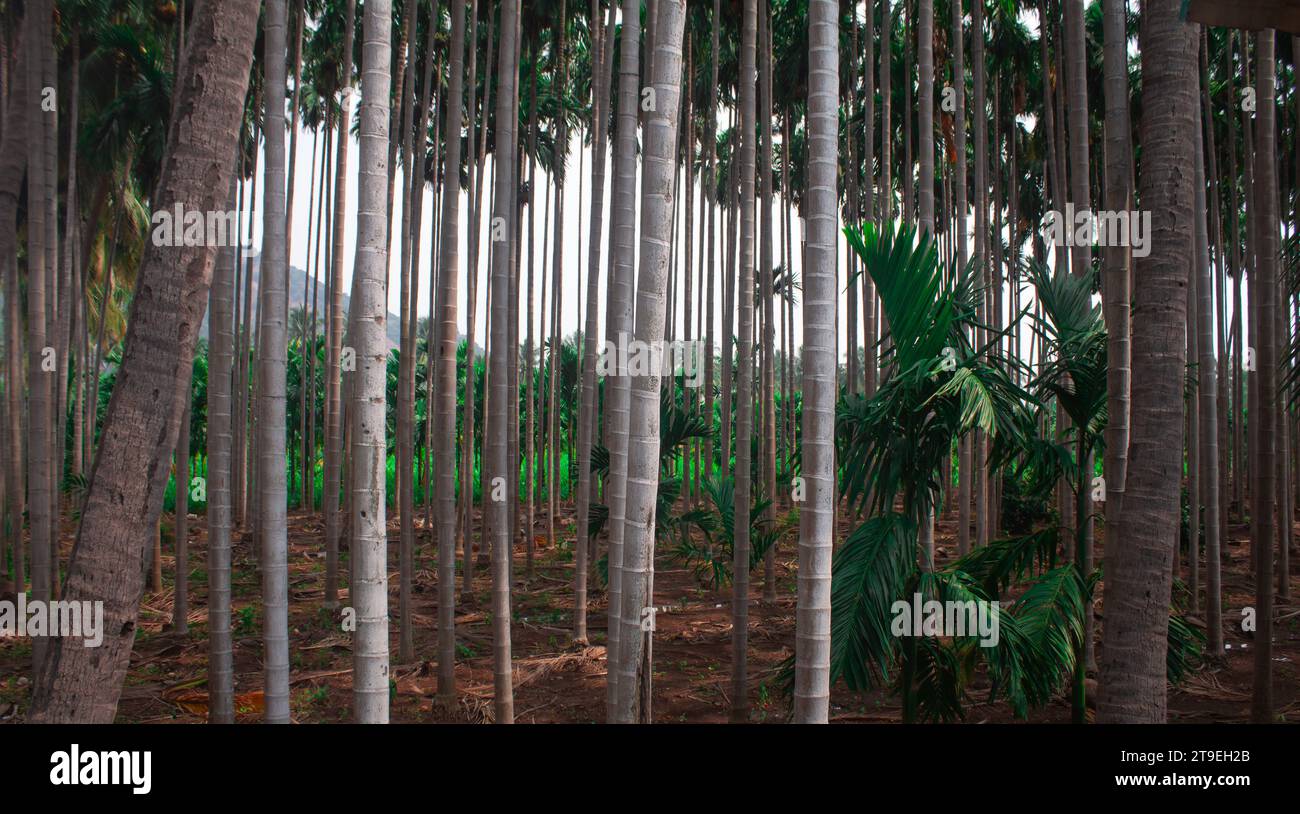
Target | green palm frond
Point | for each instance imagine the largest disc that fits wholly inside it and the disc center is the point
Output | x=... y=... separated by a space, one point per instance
x=1186 y=645
x=1037 y=640
x=870 y=572
x=1003 y=562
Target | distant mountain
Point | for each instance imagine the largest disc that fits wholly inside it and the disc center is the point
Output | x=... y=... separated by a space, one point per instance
x=299 y=292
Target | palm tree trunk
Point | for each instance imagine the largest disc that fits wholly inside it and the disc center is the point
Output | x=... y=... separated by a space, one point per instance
x=13 y=162
x=744 y=374
x=979 y=115
x=925 y=197
x=657 y=207
x=1264 y=219
x=368 y=315
x=448 y=272
x=271 y=482
x=40 y=382
x=886 y=102
x=1115 y=265
x=80 y=684
x=181 y=524
x=334 y=340
x=963 y=251
x=1138 y=574
x=603 y=58
x=816 y=535
x=499 y=359
x=618 y=396
x=221 y=359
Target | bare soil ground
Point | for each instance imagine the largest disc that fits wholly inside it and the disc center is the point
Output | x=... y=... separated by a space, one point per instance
x=555 y=679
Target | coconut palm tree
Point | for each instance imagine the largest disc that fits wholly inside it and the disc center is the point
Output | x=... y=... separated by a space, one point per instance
x=368 y=315
x=1139 y=573
x=80 y=684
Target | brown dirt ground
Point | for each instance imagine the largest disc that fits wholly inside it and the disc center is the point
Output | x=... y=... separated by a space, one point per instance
x=556 y=680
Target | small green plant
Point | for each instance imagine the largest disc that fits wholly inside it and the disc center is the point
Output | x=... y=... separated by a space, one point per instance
x=245 y=620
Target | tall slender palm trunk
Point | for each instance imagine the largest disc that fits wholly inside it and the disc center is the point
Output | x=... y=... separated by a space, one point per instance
x=334 y=339
x=816 y=534
x=1139 y=573
x=1263 y=306
x=622 y=272
x=271 y=481
x=587 y=405
x=500 y=357
x=40 y=372
x=222 y=351
x=448 y=273
x=745 y=372
x=368 y=316
x=657 y=206
x=1115 y=265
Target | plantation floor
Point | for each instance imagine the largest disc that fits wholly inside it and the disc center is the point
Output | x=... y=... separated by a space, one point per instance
x=556 y=680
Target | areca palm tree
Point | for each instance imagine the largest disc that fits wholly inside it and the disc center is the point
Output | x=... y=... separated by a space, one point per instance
x=334 y=339
x=501 y=356
x=745 y=371
x=892 y=445
x=619 y=330
x=657 y=206
x=273 y=528
x=222 y=349
x=369 y=312
x=813 y=610
x=448 y=252
x=1264 y=211
x=1115 y=264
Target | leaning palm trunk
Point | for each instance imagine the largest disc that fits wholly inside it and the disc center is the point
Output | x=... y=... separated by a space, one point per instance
x=500 y=357
x=813 y=611
x=1139 y=573
x=80 y=684
x=368 y=316
x=657 y=207
x=273 y=345
x=446 y=361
